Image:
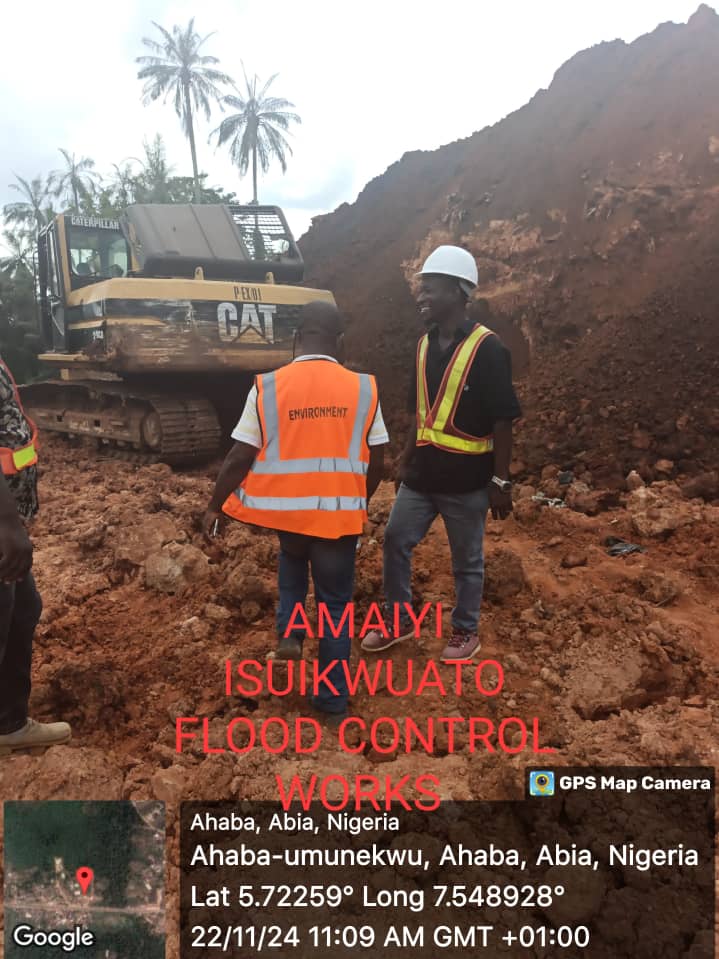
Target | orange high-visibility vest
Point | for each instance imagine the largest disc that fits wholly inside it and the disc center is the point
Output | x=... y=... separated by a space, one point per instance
x=14 y=460
x=435 y=424
x=311 y=474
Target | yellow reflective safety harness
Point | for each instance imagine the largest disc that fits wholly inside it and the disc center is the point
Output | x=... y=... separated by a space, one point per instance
x=12 y=461
x=435 y=425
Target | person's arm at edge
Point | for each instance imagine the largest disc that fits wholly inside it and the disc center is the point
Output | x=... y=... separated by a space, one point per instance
x=235 y=468
x=501 y=503
x=15 y=545
x=375 y=469
x=405 y=457
x=502 y=448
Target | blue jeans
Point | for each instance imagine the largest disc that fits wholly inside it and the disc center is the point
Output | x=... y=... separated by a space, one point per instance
x=332 y=562
x=20 y=608
x=464 y=515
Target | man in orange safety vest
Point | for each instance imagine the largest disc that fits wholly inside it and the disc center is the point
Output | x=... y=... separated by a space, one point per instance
x=307 y=458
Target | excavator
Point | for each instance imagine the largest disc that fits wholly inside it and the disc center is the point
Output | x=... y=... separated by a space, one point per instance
x=156 y=321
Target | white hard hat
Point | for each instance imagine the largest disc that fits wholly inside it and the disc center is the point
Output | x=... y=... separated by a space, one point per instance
x=452 y=261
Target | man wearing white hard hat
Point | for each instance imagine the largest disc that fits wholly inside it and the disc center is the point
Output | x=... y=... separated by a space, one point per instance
x=456 y=461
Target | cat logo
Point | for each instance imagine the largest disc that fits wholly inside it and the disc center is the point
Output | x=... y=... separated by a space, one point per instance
x=253 y=325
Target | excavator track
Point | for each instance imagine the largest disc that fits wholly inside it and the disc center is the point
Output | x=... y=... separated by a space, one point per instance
x=128 y=422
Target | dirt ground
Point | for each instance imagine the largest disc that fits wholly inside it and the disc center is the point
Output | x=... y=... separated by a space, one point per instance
x=616 y=657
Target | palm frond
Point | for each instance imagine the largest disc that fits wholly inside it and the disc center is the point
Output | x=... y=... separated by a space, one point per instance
x=179 y=70
x=257 y=128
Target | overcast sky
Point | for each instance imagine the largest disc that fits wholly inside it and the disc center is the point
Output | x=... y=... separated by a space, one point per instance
x=371 y=79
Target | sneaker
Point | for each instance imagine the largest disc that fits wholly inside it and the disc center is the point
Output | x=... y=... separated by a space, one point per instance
x=288 y=648
x=375 y=642
x=461 y=645
x=34 y=735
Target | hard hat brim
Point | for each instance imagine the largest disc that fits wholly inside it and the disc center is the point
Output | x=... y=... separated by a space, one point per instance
x=459 y=279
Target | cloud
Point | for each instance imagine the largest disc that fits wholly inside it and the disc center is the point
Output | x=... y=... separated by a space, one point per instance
x=371 y=81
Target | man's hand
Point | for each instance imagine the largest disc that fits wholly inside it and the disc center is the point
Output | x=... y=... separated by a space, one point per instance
x=405 y=457
x=232 y=472
x=211 y=517
x=400 y=476
x=500 y=503
x=15 y=551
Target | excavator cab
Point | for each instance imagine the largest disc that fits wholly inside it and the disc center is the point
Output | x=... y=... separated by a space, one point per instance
x=74 y=252
x=96 y=253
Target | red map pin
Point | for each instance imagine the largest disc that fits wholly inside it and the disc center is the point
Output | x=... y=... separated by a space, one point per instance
x=84 y=876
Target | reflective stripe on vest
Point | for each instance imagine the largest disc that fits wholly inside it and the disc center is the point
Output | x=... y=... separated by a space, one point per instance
x=12 y=461
x=435 y=426
x=285 y=489
x=322 y=464
x=329 y=503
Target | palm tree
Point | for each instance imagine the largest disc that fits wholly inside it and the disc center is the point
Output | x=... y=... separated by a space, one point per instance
x=34 y=210
x=256 y=130
x=177 y=68
x=77 y=181
x=17 y=263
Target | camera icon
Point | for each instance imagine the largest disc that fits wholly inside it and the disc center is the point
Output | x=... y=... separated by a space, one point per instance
x=541 y=783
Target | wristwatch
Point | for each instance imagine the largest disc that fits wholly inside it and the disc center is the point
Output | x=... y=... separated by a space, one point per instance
x=504 y=485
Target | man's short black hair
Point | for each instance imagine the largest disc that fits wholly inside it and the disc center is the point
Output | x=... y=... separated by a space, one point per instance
x=320 y=319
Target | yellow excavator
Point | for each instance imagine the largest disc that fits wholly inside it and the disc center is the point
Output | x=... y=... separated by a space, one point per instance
x=156 y=322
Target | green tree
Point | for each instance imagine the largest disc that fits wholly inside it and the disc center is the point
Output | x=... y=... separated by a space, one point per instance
x=256 y=131
x=78 y=181
x=122 y=185
x=153 y=183
x=19 y=342
x=32 y=212
x=16 y=260
x=176 y=68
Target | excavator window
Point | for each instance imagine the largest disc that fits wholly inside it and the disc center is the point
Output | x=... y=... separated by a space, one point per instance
x=52 y=262
x=96 y=254
x=265 y=233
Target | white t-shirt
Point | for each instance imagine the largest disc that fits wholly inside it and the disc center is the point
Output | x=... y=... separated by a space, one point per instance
x=248 y=428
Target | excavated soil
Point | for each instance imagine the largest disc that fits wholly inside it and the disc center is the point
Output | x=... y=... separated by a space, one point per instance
x=593 y=213
x=616 y=657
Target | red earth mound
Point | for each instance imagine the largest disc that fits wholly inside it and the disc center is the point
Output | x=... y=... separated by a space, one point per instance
x=593 y=213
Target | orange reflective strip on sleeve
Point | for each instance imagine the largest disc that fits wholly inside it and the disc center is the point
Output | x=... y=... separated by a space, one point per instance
x=12 y=461
x=27 y=456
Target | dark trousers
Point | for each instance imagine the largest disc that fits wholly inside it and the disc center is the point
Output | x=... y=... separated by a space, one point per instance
x=20 y=608
x=332 y=563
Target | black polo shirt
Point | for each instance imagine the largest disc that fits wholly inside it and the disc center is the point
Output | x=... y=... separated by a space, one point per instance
x=488 y=396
